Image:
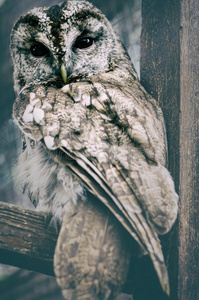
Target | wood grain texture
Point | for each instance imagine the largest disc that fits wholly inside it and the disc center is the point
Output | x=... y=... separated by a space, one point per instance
x=189 y=162
x=160 y=75
x=169 y=71
x=26 y=241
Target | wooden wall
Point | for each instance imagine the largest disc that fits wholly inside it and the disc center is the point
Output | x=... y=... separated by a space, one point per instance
x=170 y=72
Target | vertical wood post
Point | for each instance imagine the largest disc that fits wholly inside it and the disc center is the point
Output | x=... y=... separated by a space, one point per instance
x=189 y=153
x=160 y=74
x=170 y=72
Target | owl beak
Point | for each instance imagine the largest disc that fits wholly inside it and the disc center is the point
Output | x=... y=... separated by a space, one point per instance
x=64 y=73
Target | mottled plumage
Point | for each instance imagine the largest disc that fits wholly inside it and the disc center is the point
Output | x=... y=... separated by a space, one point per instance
x=90 y=125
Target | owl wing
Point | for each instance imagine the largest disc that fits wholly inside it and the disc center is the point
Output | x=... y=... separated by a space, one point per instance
x=121 y=201
x=91 y=133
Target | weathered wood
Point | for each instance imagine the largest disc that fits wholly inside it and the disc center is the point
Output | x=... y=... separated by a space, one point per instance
x=26 y=240
x=189 y=158
x=169 y=71
x=160 y=75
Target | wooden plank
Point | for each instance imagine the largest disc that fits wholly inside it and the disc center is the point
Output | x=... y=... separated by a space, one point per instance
x=189 y=159
x=26 y=240
x=160 y=75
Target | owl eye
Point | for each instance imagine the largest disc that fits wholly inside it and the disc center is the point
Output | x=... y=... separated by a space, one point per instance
x=83 y=43
x=39 y=50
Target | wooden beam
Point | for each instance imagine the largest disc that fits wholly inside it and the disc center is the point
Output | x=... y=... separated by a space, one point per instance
x=189 y=158
x=26 y=240
x=160 y=75
x=170 y=72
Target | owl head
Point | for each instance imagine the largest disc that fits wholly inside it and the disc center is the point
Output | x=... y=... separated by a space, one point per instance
x=62 y=43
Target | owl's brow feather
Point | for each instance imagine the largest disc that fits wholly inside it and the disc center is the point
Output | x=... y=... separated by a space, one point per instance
x=84 y=13
x=28 y=19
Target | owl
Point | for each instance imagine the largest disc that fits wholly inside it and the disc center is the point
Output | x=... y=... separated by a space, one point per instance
x=94 y=147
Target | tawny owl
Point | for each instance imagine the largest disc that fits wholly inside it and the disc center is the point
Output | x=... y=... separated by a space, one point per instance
x=89 y=127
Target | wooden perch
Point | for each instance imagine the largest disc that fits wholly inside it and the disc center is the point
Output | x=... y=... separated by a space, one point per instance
x=26 y=240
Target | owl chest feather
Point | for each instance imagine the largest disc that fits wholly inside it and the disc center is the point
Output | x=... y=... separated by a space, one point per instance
x=50 y=186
